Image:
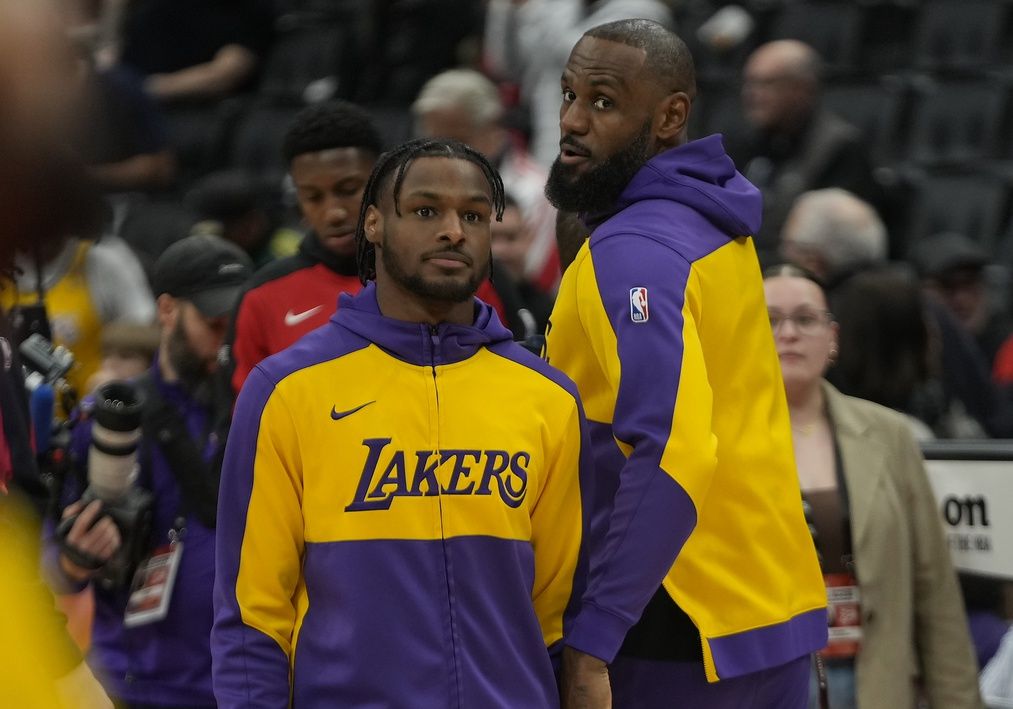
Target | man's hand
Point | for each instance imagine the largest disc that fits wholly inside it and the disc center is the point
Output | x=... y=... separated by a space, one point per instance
x=98 y=539
x=585 y=681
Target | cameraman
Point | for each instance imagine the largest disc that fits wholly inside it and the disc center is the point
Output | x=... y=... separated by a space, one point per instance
x=160 y=658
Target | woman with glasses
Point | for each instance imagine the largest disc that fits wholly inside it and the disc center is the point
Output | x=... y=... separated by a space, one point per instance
x=897 y=625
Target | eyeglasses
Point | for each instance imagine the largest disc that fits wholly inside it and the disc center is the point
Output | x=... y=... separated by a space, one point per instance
x=807 y=322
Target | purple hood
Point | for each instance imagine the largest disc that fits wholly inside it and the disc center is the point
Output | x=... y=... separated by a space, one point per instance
x=419 y=343
x=700 y=175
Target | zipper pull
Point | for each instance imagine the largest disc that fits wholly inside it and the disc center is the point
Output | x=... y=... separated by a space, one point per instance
x=434 y=341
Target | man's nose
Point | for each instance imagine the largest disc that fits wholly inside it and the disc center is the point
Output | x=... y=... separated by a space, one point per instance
x=452 y=227
x=573 y=119
x=336 y=210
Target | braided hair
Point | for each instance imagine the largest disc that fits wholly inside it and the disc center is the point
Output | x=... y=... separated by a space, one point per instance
x=397 y=162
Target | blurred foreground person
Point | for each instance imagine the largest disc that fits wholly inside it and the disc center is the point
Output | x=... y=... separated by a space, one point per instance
x=39 y=665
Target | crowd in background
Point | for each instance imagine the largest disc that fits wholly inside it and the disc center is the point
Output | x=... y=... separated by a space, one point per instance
x=180 y=113
x=173 y=116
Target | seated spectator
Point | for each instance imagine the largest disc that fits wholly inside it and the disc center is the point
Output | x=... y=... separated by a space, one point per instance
x=159 y=657
x=235 y=206
x=794 y=144
x=891 y=354
x=464 y=105
x=952 y=269
x=898 y=629
x=194 y=49
x=528 y=42
x=121 y=135
x=833 y=234
x=839 y=237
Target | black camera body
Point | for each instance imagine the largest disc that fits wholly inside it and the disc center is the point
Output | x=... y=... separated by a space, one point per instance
x=46 y=363
x=112 y=472
x=132 y=516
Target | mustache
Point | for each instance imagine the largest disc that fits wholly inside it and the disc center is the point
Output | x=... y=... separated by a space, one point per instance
x=574 y=143
x=450 y=253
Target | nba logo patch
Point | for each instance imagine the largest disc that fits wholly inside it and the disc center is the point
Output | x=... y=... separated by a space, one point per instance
x=638 y=304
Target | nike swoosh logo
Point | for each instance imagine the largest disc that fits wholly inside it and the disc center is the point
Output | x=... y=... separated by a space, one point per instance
x=293 y=319
x=338 y=415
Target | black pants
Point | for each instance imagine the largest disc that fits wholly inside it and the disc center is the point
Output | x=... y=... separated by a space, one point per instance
x=120 y=704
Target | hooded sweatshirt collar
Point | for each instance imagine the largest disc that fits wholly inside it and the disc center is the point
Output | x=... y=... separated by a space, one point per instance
x=700 y=175
x=419 y=343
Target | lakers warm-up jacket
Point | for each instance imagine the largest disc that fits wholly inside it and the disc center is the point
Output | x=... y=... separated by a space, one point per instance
x=401 y=520
x=662 y=324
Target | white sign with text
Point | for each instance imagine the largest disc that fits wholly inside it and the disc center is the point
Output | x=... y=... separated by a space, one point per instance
x=975 y=499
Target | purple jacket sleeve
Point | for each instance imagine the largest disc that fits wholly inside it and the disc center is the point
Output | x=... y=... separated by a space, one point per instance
x=654 y=511
x=250 y=668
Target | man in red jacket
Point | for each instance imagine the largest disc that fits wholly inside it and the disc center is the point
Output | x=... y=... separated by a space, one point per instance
x=330 y=150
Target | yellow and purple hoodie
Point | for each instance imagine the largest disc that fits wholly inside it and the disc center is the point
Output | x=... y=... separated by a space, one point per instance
x=662 y=324
x=401 y=520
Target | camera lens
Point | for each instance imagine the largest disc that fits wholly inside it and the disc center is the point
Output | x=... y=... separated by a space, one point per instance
x=118 y=406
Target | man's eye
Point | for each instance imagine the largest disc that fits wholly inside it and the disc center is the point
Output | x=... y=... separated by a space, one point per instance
x=602 y=103
x=568 y=95
x=425 y=211
x=472 y=217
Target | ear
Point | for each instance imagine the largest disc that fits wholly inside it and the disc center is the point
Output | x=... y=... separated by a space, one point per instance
x=671 y=117
x=168 y=310
x=373 y=225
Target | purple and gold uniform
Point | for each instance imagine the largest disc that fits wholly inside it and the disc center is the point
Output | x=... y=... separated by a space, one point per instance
x=401 y=519
x=662 y=324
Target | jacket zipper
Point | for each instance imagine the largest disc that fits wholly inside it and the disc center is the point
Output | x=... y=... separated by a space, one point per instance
x=434 y=344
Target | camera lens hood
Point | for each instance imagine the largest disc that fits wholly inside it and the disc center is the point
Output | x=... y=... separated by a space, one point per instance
x=118 y=406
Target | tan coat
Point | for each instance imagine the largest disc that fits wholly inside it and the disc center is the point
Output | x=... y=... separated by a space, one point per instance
x=914 y=621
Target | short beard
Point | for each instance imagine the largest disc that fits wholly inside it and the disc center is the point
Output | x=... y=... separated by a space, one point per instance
x=439 y=291
x=191 y=369
x=599 y=188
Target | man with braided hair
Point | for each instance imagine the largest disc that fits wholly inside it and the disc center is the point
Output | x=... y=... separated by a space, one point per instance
x=405 y=490
x=330 y=150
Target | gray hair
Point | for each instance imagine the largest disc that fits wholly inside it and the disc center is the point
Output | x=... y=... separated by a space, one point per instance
x=844 y=230
x=464 y=89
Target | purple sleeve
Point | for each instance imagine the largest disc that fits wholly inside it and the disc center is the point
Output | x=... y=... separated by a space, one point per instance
x=249 y=668
x=642 y=286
